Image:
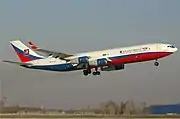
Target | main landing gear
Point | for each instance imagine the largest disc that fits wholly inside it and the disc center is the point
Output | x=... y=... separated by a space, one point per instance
x=88 y=71
x=96 y=73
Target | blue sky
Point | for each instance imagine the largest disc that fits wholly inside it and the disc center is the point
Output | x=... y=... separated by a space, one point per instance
x=77 y=26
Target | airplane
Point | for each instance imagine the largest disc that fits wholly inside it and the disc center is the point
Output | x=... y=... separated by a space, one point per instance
x=93 y=62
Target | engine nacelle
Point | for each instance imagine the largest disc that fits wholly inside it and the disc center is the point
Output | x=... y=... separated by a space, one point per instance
x=112 y=68
x=98 y=62
x=80 y=60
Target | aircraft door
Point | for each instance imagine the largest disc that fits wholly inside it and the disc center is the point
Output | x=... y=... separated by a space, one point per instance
x=158 y=48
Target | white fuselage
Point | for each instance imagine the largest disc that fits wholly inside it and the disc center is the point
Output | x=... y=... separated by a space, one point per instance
x=106 y=60
x=124 y=51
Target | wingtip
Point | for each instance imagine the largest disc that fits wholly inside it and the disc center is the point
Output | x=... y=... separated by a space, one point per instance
x=2 y=61
x=32 y=45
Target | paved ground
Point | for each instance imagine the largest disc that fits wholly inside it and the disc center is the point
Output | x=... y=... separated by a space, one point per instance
x=41 y=116
x=87 y=118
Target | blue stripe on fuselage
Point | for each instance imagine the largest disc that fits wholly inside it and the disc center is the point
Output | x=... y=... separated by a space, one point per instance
x=59 y=67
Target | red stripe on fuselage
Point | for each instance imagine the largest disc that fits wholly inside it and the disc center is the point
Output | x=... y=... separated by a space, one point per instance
x=139 y=57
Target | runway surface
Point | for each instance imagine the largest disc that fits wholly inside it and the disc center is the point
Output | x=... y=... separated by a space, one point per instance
x=47 y=116
x=87 y=118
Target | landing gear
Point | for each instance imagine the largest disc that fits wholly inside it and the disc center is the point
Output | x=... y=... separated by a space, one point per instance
x=96 y=73
x=86 y=72
x=89 y=71
x=156 y=63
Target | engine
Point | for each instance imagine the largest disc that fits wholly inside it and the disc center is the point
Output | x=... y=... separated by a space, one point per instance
x=91 y=62
x=112 y=68
x=80 y=60
x=98 y=62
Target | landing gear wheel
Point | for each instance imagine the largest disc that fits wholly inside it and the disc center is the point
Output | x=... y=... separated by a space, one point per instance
x=89 y=71
x=85 y=72
x=156 y=63
x=96 y=73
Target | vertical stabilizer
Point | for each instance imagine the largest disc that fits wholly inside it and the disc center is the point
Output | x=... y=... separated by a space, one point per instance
x=24 y=53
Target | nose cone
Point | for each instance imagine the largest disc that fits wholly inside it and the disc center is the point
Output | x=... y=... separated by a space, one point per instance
x=175 y=49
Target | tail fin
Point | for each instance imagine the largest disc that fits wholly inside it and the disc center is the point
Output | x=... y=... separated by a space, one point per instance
x=24 y=53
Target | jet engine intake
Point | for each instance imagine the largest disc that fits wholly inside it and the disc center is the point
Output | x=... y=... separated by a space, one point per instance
x=98 y=62
x=80 y=60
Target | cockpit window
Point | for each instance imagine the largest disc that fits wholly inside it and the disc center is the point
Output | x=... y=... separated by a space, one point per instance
x=171 y=46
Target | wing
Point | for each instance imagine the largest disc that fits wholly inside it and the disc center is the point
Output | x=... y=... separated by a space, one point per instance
x=48 y=52
x=18 y=63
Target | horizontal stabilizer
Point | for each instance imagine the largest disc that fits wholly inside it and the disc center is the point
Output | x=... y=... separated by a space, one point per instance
x=18 y=63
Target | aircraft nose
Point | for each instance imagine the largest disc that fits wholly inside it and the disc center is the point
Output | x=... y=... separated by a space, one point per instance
x=172 y=48
x=176 y=49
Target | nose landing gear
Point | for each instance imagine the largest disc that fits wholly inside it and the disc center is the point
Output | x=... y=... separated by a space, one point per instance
x=156 y=63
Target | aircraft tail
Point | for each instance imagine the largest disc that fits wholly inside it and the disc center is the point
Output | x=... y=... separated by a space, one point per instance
x=24 y=53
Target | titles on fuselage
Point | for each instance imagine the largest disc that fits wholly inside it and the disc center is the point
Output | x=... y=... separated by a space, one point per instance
x=137 y=50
